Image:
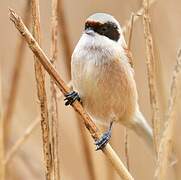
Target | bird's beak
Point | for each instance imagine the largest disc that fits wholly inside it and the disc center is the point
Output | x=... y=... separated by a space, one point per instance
x=89 y=31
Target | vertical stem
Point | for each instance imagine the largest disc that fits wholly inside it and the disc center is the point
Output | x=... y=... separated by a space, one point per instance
x=2 y=165
x=54 y=104
x=129 y=55
x=127 y=149
x=161 y=84
x=130 y=31
x=40 y=80
x=166 y=140
x=151 y=71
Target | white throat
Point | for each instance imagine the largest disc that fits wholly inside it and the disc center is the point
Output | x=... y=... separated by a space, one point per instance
x=98 y=48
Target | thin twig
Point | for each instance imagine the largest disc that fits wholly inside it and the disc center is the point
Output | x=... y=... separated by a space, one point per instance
x=64 y=36
x=29 y=131
x=129 y=54
x=138 y=14
x=151 y=71
x=127 y=149
x=128 y=47
x=53 y=102
x=128 y=27
x=2 y=166
x=166 y=140
x=90 y=125
x=15 y=78
x=161 y=85
x=130 y=31
x=40 y=82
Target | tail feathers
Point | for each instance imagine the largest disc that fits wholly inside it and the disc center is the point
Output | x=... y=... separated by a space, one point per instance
x=143 y=129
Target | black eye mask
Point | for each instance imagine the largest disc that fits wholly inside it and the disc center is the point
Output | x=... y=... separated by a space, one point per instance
x=108 y=29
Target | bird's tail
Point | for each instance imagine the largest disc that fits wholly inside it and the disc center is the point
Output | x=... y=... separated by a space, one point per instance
x=143 y=130
x=140 y=126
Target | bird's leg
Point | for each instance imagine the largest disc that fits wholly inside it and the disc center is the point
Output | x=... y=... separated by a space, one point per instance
x=71 y=97
x=101 y=143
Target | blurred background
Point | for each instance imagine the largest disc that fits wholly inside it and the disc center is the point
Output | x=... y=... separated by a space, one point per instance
x=27 y=162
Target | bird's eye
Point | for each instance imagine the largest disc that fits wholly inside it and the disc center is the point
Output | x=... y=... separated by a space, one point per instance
x=86 y=25
x=104 y=28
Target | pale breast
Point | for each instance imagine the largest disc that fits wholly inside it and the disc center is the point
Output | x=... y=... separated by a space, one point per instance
x=106 y=89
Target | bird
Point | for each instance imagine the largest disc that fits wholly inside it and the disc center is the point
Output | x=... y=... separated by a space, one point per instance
x=103 y=79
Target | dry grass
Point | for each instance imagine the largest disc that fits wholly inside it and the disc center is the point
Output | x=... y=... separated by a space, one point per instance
x=151 y=71
x=127 y=149
x=129 y=54
x=49 y=109
x=2 y=167
x=108 y=151
x=136 y=15
x=40 y=80
x=167 y=137
x=53 y=102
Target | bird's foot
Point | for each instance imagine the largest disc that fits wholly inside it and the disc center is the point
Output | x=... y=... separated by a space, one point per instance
x=101 y=143
x=71 y=97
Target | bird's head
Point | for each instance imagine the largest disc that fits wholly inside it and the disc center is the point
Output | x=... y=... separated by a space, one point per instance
x=103 y=25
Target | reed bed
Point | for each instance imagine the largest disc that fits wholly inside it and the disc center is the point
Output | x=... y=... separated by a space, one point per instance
x=51 y=89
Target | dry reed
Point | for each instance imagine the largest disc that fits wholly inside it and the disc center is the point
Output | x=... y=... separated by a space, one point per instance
x=2 y=166
x=53 y=102
x=130 y=27
x=161 y=84
x=67 y=51
x=166 y=140
x=151 y=72
x=137 y=16
x=41 y=92
x=108 y=151
x=126 y=144
x=129 y=54
x=129 y=31
x=18 y=64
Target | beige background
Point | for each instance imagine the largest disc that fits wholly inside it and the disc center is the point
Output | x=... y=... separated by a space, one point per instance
x=27 y=164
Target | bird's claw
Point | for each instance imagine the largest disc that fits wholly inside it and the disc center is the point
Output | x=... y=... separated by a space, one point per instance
x=101 y=143
x=71 y=97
